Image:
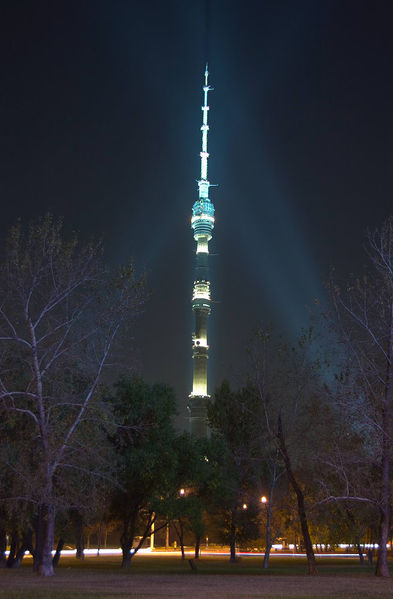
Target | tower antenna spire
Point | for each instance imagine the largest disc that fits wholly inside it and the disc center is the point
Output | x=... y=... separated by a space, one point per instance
x=207 y=32
x=205 y=128
x=202 y=222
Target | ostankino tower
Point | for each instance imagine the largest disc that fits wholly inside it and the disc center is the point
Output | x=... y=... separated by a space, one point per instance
x=202 y=222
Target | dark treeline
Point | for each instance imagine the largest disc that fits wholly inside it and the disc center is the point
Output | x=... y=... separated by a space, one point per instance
x=301 y=453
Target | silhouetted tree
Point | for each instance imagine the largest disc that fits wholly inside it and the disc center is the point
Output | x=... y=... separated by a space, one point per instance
x=362 y=321
x=287 y=378
x=61 y=312
x=146 y=459
x=233 y=417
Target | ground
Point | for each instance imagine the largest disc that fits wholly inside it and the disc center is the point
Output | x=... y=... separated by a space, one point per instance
x=165 y=578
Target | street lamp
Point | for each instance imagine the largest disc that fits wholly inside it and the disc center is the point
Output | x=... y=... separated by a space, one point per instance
x=263 y=499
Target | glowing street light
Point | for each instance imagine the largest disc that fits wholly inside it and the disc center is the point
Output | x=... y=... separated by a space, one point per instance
x=244 y=506
x=181 y=492
x=263 y=499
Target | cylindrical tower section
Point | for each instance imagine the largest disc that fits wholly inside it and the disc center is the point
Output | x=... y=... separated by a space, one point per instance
x=202 y=222
x=200 y=351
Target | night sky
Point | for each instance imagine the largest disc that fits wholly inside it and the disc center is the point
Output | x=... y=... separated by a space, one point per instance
x=100 y=123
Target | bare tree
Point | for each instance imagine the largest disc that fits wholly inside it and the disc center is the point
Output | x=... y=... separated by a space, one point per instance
x=285 y=376
x=362 y=321
x=272 y=503
x=61 y=312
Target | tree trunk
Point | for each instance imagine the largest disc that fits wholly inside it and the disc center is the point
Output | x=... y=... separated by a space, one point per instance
x=312 y=569
x=3 y=547
x=382 y=568
x=126 y=548
x=27 y=545
x=127 y=538
x=19 y=556
x=384 y=523
x=360 y=552
x=45 y=566
x=38 y=537
x=357 y=538
x=269 y=512
x=59 y=548
x=180 y=534
x=197 y=546
x=99 y=538
x=13 y=549
x=80 y=540
x=268 y=542
x=233 y=537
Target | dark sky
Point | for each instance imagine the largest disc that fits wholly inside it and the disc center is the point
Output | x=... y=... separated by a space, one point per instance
x=100 y=116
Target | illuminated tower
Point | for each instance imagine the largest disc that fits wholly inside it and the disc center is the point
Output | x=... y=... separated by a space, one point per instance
x=202 y=222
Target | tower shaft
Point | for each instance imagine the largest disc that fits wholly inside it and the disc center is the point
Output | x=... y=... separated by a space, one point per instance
x=202 y=222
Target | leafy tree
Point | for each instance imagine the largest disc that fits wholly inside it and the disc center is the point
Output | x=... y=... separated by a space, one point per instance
x=61 y=312
x=233 y=416
x=193 y=482
x=144 y=443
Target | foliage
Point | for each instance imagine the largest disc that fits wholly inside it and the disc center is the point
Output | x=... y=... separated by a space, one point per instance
x=61 y=311
x=144 y=443
x=234 y=417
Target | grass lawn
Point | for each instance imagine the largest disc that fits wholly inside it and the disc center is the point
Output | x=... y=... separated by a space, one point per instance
x=162 y=577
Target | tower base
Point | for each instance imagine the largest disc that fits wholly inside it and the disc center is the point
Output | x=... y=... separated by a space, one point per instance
x=197 y=408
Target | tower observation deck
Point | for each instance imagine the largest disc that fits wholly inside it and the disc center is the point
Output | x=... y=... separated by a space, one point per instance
x=202 y=222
